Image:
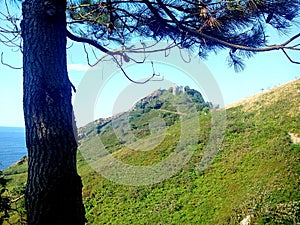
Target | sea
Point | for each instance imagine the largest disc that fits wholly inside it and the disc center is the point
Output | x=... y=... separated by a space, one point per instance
x=12 y=145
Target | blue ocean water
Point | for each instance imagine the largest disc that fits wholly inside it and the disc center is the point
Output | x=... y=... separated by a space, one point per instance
x=12 y=145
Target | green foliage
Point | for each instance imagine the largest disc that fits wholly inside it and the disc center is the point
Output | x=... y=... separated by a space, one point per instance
x=203 y=26
x=197 y=98
x=256 y=171
x=4 y=199
x=15 y=177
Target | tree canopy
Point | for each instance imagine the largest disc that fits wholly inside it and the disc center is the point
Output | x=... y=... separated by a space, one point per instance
x=241 y=26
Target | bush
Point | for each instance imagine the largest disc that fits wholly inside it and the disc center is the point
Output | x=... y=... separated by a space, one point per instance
x=4 y=199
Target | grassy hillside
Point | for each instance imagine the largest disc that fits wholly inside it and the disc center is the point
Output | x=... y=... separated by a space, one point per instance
x=256 y=171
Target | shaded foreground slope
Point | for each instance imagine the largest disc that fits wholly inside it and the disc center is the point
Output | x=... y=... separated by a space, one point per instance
x=255 y=174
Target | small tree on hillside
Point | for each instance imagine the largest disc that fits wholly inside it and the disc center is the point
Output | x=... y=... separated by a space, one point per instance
x=53 y=193
x=4 y=199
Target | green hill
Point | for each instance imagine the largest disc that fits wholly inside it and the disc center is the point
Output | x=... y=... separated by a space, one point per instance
x=255 y=174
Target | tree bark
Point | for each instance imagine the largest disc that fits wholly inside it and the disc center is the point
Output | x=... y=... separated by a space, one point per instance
x=54 y=189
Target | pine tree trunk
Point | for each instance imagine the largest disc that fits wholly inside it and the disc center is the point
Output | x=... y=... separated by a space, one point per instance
x=54 y=189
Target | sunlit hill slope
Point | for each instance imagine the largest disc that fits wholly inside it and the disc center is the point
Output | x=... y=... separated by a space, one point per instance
x=254 y=176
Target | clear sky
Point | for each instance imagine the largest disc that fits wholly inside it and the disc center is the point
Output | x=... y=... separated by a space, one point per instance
x=263 y=71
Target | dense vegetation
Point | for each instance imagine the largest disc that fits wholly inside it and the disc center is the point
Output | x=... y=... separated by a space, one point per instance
x=4 y=199
x=256 y=171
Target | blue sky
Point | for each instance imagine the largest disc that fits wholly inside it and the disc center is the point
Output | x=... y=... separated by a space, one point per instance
x=263 y=71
